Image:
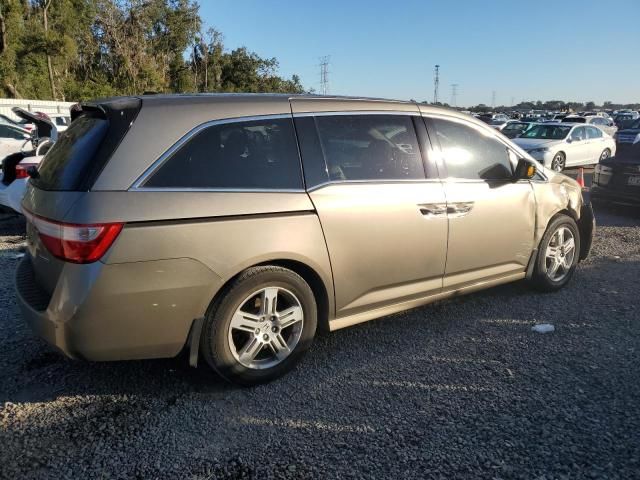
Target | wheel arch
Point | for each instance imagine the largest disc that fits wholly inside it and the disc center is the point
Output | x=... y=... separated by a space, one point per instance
x=321 y=291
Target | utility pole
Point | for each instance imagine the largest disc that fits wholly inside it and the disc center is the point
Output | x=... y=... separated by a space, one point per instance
x=436 y=83
x=493 y=99
x=324 y=74
x=454 y=94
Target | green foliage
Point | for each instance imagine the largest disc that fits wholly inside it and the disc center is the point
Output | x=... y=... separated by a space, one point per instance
x=102 y=48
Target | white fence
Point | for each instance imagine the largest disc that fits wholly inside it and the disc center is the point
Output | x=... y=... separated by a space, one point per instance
x=46 y=106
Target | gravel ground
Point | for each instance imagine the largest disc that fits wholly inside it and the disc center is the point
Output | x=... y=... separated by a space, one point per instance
x=461 y=389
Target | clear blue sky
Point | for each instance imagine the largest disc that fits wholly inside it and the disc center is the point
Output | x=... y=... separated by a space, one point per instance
x=573 y=50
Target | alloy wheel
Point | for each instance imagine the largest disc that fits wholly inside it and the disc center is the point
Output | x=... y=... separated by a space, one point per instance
x=266 y=328
x=560 y=254
x=605 y=154
x=557 y=164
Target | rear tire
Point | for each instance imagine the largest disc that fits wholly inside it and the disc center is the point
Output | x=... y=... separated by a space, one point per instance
x=606 y=153
x=559 y=162
x=556 y=260
x=260 y=326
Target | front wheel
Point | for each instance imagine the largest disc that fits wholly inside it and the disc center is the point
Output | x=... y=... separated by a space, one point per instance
x=260 y=326
x=558 y=255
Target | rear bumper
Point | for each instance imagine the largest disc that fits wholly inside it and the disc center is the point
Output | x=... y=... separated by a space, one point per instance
x=117 y=312
x=599 y=192
x=33 y=303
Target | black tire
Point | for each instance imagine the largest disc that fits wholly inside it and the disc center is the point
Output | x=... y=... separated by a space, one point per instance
x=606 y=153
x=540 y=279
x=559 y=162
x=214 y=343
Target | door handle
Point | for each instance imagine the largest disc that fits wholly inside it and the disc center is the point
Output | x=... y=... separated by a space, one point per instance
x=459 y=209
x=433 y=209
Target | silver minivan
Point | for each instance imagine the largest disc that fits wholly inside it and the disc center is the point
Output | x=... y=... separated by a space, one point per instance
x=237 y=225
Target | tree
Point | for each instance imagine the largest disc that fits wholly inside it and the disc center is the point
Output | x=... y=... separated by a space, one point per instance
x=79 y=49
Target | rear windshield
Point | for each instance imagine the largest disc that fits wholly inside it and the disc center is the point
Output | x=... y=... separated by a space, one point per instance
x=574 y=120
x=82 y=150
x=67 y=160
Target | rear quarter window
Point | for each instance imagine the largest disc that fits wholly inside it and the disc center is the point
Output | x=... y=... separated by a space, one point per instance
x=259 y=154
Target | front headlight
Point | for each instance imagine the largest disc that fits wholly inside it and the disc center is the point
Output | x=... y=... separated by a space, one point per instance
x=539 y=150
x=637 y=139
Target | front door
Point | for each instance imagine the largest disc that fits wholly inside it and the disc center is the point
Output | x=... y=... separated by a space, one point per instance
x=384 y=221
x=578 y=149
x=491 y=218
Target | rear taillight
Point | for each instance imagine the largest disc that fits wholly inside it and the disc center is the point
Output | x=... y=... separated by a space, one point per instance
x=72 y=242
x=22 y=169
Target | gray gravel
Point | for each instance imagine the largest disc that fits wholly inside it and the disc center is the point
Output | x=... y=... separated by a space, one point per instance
x=462 y=389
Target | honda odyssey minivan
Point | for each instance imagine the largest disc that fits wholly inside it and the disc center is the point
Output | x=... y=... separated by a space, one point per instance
x=238 y=225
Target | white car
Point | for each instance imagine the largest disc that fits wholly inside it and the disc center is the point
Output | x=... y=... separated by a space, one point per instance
x=561 y=145
x=13 y=182
x=604 y=124
x=61 y=121
x=11 y=139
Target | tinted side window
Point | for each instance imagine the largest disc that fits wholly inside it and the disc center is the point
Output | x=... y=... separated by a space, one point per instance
x=593 y=132
x=370 y=147
x=260 y=154
x=578 y=134
x=471 y=153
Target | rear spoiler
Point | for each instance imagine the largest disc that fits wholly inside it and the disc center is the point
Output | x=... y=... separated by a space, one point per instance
x=121 y=113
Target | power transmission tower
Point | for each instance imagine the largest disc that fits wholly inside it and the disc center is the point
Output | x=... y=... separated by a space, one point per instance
x=436 y=83
x=493 y=99
x=454 y=94
x=324 y=74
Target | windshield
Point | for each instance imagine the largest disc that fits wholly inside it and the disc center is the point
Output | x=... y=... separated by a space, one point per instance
x=547 y=132
x=635 y=124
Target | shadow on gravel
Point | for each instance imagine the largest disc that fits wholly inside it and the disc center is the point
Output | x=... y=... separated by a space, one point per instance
x=614 y=215
x=11 y=223
x=47 y=375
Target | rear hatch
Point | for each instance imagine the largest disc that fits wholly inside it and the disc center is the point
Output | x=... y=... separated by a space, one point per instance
x=65 y=175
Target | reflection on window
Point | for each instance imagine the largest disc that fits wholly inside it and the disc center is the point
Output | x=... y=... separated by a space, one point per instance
x=260 y=154
x=370 y=147
x=471 y=153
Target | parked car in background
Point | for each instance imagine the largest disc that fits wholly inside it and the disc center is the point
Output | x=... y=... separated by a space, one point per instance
x=561 y=145
x=132 y=244
x=21 y=123
x=618 y=179
x=515 y=128
x=498 y=124
x=14 y=178
x=491 y=117
x=12 y=138
x=15 y=167
x=625 y=120
x=606 y=125
x=44 y=134
x=61 y=121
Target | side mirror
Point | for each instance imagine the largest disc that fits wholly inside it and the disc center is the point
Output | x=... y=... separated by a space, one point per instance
x=525 y=170
x=569 y=140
